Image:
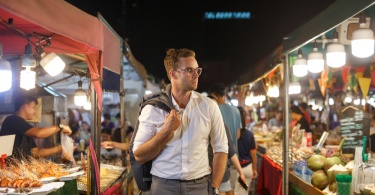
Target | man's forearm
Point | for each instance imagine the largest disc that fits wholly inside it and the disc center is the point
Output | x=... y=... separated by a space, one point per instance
x=44 y=152
x=219 y=165
x=121 y=146
x=150 y=149
x=42 y=132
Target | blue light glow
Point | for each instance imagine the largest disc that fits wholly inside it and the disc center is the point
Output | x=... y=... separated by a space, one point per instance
x=227 y=15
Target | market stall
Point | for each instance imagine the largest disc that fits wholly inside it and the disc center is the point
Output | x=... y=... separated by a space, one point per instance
x=330 y=89
x=60 y=28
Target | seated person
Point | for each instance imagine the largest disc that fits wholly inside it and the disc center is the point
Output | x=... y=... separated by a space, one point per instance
x=109 y=154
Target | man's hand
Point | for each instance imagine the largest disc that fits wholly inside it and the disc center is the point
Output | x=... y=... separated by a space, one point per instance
x=66 y=129
x=172 y=121
x=243 y=178
x=107 y=144
x=255 y=173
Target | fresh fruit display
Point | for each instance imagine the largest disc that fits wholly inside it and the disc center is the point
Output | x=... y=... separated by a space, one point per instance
x=326 y=170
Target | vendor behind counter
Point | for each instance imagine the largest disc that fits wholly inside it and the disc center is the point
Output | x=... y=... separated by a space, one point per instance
x=24 y=144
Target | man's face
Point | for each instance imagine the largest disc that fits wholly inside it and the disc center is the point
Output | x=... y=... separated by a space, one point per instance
x=184 y=79
x=30 y=110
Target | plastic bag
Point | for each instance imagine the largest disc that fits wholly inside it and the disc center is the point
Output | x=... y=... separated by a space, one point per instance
x=67 y=145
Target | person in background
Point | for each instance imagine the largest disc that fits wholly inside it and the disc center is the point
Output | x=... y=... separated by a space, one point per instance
x=298 y=118
x=304 y=108
x=231 y=118
x=277 y=121
x=247 y=154
x=107 y=123
x=84 y=132
x=109 y=154
x=177 y=142
x=225 y=187
x=25 y=108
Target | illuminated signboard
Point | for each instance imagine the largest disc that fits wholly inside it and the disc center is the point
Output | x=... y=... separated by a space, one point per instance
x=227 y=15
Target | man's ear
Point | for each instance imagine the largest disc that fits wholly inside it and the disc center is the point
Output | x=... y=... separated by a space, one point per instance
x=172 y=74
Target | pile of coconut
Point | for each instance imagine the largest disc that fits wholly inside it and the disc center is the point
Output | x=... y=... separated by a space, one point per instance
x=326 y=169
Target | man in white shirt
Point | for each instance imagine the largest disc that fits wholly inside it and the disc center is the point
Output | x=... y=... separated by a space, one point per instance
x=177 y=141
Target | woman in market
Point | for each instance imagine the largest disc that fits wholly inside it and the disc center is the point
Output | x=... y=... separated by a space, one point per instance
x=298 y=118
x=246 y=154
x=25 y=108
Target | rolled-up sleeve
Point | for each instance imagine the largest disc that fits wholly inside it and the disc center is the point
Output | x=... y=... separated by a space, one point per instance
x=219 y=140
x=150 y=120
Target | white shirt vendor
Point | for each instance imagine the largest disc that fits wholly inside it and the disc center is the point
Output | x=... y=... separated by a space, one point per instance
x=185 y=157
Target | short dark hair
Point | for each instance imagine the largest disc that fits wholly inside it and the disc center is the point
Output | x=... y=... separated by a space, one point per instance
x=106 y=116
x=107 y=131
x=303 y=105
x=173 y=56
x=118 y=115
x=21 y=100
x=296 y=110
x=217 y=89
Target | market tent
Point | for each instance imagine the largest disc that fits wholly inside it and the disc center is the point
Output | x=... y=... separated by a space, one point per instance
x=335 y=14
x=73 y=32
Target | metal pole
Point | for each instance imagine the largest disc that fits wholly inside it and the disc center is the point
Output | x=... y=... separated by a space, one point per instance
x=122 y=111
x=95 y=134
x=286 y=129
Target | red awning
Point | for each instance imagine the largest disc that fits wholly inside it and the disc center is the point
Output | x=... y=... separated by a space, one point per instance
x=73 y=31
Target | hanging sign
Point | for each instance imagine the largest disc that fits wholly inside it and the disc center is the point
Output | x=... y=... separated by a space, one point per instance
x=354 y=124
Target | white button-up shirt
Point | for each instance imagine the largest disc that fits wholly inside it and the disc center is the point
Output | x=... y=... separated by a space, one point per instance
x=185 y=157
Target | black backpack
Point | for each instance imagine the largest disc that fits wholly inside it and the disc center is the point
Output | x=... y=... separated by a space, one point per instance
x=141 y=172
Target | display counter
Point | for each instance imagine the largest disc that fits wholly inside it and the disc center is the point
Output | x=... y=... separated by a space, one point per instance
x=112 y=180
x=270 y=180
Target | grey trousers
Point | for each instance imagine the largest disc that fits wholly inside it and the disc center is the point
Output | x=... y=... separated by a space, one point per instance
x=161 y=186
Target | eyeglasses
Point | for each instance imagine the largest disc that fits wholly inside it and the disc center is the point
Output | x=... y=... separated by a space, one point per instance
x=190 y=71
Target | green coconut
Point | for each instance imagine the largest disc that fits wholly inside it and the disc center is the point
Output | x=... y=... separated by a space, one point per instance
x=333 y=187
x=329 y=162
x=316 y=162
x=319 y=179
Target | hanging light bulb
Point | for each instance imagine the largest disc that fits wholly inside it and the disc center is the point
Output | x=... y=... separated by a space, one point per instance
x=80 y=95
x=336 y=56
x=5 y=73
x=300 y=65
x=315 y=60
x=273 y=91
x=28 y=60
x=27 y=80
x=87 y=105
x=363 y=39
x=294 y=88
x=52 y=63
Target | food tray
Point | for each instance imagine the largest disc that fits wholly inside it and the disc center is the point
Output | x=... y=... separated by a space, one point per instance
x=43 y=190
x=108 y=176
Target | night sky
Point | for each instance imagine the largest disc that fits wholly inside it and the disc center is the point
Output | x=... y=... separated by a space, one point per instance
x=224 y=48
